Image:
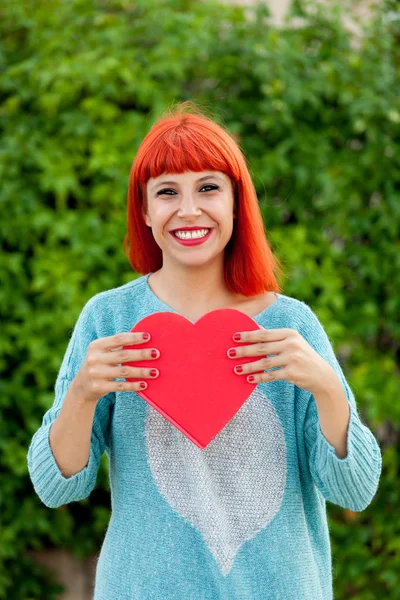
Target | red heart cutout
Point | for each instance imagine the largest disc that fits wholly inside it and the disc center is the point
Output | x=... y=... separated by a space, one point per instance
x=196 y=390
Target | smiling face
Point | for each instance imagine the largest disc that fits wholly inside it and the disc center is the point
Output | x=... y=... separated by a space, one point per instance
x=186 y=201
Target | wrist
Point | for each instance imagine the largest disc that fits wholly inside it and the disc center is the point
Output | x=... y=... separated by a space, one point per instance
x=79 y=393
x=327 y=384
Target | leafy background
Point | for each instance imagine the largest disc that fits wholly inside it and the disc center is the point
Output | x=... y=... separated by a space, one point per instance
x=317 y=115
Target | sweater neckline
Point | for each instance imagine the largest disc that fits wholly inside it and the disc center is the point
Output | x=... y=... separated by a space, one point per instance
x=168 y=308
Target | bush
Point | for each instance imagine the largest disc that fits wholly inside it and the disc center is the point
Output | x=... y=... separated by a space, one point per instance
x=316 y=113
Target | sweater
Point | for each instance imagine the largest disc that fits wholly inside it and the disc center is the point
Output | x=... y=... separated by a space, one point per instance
x=244 y=518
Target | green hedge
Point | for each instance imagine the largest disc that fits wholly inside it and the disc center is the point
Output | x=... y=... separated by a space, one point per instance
x=317 y=115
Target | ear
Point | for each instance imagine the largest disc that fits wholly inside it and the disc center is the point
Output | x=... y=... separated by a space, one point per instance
x=146 y=219
x=145 y=215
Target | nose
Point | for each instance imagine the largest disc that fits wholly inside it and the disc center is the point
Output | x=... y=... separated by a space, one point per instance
x=188 y=207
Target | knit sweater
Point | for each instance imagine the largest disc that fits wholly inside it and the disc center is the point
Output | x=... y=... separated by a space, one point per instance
x=242 y=519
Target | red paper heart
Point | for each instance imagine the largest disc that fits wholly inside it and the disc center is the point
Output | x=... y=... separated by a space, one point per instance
x=196 y=390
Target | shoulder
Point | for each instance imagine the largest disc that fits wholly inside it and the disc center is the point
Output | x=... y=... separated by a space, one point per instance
x=303 y=318
x=294 y=310
x=292 y=313
x=304 y=314
x=108 y=306
x=118 y=294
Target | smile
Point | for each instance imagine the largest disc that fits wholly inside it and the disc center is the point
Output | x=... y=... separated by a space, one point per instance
x=191 y=238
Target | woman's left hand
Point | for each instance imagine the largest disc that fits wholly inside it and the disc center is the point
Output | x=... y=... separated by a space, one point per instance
x=298 y=362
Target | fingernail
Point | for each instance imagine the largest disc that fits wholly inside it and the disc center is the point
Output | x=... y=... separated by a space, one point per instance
x=143 y=385
x=250 y=379
x=146 y=336
x=153 y=372
x=238 y=369
x=154 y=354
x=232 y=352
x=236 y=337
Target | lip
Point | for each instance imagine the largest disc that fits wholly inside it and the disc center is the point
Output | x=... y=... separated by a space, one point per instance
x=195 y=228
x=194 y=242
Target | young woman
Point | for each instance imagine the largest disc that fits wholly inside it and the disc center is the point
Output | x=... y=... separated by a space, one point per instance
x=245 y=517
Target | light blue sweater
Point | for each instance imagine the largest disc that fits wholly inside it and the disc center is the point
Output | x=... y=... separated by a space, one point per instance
x=243 y=519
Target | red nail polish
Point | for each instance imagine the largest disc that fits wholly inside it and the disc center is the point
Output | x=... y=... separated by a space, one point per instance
x=154 y=354
x=153 y=372
x=250 y=379
x=146 y=336
x=238 y=369
x=232 y=352
x=236 y=337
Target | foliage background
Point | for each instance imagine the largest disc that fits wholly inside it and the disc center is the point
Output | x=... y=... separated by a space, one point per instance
x=317 y=115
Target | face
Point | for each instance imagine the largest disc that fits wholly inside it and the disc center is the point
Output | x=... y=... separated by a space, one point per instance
x=202 y=201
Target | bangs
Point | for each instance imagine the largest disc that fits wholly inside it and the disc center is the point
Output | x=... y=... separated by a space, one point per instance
x=180 y=148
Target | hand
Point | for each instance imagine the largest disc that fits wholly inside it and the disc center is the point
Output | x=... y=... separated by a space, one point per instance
x=101 y=365
x=298 y=362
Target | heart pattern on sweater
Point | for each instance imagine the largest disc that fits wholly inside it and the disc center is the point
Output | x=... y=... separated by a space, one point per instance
x=239 y=478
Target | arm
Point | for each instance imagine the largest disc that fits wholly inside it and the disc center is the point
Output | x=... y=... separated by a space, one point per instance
x=70 y=434
x=333 y=413
x=344 y=457
x=78 y=440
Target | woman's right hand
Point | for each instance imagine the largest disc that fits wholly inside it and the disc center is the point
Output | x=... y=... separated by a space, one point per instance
x=95 y=377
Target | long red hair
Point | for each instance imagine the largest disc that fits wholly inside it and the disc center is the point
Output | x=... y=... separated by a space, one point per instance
x=191 y=141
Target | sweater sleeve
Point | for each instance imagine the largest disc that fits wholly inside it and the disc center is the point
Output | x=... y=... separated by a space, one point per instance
x=48 y=481
x=352 y=481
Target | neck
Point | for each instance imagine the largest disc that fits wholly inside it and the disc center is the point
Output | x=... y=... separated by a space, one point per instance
x=202 y=287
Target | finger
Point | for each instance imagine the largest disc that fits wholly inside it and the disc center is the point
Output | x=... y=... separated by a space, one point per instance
x=258 y=365
x=263 y=335
x=110 y=373
x=260 y=349
x=127 y=356
x=125 y=386
x=119 y=340
x=269 y=376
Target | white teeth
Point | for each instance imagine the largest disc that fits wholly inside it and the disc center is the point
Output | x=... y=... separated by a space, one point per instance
x=189 y=235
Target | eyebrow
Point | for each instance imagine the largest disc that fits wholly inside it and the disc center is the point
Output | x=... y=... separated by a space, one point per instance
x=176 y=183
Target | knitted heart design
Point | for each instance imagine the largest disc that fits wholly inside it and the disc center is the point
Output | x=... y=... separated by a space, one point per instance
x=197 y=390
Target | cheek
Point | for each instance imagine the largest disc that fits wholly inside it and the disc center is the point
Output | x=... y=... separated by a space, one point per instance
x=161 y=216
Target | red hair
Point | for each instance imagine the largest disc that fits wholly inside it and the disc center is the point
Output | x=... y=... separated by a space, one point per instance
x=190 y=141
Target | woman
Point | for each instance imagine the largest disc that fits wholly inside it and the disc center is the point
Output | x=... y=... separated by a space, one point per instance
x=244 y=518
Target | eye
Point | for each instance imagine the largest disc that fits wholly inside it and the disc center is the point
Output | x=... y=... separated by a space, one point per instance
x=164 y=192
x=213 y=187
x=209 y=185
